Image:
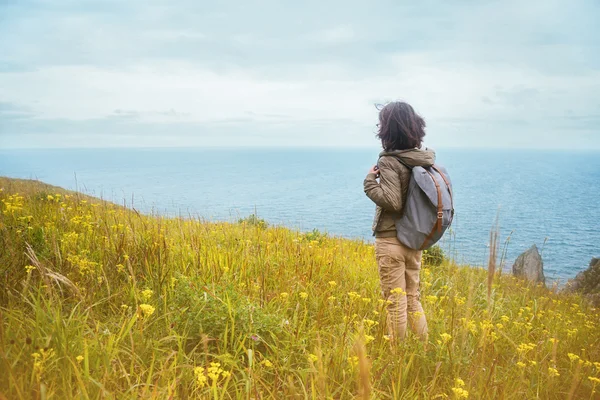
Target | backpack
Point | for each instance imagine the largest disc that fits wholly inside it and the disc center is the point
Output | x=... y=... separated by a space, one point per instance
x=429 y=207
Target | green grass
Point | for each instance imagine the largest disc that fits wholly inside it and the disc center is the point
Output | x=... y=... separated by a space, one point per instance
x=99 y=301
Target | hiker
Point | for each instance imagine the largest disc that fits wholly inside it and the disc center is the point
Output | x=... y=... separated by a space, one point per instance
x=401 y=131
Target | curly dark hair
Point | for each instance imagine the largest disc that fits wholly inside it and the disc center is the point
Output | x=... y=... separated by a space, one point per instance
x=400 y=127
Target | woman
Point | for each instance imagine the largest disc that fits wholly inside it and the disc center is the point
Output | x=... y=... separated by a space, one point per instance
x=401 y=131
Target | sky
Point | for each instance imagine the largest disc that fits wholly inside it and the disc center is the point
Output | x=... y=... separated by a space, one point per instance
x=151 y=73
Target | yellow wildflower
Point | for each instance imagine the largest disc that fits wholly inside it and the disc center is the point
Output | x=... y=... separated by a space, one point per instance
x=214 y=371
x=147 y=310
x=594 y=380
x=332 y=283
x=331 y=298
x=521 y=364
x=460 y=393
x=573 y=357
x=369 y=339
x=445 y=337
x=29 y=268
x=398 y=290
x=267 y=363
x=200 y=377
x=79 y=359
x=303 y=295
x=312 y=358
x=284 y=295
x=553 y=372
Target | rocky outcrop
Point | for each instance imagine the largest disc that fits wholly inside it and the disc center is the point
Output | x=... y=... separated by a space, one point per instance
x=530 y=266
x=587 y=283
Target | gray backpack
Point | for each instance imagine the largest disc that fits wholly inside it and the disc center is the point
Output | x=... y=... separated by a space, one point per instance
x=429 y=207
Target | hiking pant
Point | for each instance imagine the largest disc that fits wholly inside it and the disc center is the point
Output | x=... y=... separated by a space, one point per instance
x=399 y=268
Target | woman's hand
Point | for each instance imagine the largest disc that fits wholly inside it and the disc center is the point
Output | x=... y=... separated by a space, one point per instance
x=374 y=170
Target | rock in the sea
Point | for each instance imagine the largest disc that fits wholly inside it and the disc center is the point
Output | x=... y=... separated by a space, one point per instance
x=530 y=266
x=587 y=282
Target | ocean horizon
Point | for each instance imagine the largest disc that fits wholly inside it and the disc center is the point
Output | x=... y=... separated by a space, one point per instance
x=544 y=197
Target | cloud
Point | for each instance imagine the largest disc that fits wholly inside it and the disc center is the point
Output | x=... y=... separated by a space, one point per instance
x=510 y=70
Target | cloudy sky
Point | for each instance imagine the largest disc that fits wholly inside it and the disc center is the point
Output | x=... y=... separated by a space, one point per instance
x=77 y=73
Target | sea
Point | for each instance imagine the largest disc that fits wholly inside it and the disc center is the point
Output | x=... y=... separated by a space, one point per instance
x=547 y=198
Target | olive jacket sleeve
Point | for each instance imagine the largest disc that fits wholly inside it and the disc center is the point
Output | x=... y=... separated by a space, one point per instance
x=387 y=193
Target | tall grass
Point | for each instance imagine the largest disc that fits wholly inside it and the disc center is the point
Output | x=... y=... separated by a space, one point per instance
x=99 y=301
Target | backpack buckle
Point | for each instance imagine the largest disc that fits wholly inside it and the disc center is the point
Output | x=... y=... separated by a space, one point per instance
x=440 y=214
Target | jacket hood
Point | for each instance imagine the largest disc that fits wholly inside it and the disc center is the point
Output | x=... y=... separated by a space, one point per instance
x=413 y=157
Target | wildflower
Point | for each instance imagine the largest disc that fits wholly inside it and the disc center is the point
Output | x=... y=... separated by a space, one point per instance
x=521 y=364
x=214 y=371
x=29 y=268
x=353 y=361
x=431 y=299
x=331 y=298
x=267 y=363
x=353 y=295
x=303 y=295
x=226 y=374
x=534 y=363
x=284 y=295
x=573 y=357
x=398 y=290
x=445 y=337
x=200 y=377
x=369 y=322
x=553 y=372
x=369 y=339
x=504 y=318
x=50 y=197
x=366 y=300
x=147 y=310
x=459 y=382
x=523 y=348
x=594 y=380
x=332 y=284
x=460 y=301
x=460 y=393
x=312 y=358
x=79 y=359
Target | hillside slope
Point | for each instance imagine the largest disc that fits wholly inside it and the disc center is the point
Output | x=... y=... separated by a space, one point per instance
x=99 y=301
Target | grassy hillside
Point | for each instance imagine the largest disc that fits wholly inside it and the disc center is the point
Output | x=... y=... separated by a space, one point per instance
x=98 y=301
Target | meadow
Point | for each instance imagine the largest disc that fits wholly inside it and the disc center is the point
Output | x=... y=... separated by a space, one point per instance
x=99 y=301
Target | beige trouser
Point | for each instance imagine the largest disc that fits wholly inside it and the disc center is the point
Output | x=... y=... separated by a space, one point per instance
x=399 y=268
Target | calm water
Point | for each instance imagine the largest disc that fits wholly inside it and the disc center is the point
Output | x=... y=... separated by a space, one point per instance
x=548 y=198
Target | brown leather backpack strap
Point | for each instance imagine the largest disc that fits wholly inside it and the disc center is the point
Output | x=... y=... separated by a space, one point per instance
x=443 y=177
x=440 y=211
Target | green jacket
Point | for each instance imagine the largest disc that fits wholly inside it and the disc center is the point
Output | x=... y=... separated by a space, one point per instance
x=389 y=194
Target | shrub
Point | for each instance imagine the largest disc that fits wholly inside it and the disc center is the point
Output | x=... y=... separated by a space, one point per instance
x=253 y=220
x=434 y=256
